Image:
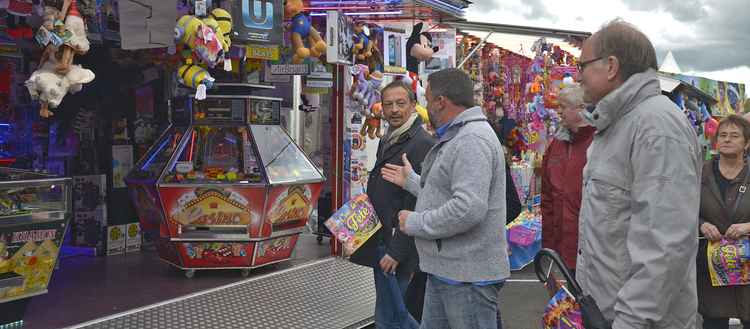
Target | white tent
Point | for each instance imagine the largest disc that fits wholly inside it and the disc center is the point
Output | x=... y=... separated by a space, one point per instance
x=669 y=64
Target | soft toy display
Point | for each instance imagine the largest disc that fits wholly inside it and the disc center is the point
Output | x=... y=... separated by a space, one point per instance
x=62 y=34
x=371 y=126
x=362 y=45
x=48 y=86
x=366 y=87
x=205 y=42
x=302 y=30
x=418 y=48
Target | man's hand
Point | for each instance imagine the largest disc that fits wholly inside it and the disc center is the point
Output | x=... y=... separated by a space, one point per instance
x=397 y=174
x=711 y=232
x=403 y=215
x=737 y=231
x=388 y=264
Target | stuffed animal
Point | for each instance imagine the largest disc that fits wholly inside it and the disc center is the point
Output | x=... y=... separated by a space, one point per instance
x=200 y=39
x=302 y=30
x=362 y=45
x=224 y=32
x=371 y=127
x=77 y=43
x=418 y=48
x=49 y=86
x=366 y=87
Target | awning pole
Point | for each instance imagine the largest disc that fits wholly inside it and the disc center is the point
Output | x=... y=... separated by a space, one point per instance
x=474 y=50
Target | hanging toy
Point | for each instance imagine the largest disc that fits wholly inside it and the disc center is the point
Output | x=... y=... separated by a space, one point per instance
x=48 y=86
x=362 y=45
x=202 y=44
x=223 y=32
x=302 y=30
x=371 y=127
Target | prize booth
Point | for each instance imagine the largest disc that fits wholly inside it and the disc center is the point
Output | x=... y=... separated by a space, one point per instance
x=225 y=186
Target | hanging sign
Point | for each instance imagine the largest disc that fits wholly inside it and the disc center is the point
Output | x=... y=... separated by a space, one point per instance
x=264 y=52
x=257 y=21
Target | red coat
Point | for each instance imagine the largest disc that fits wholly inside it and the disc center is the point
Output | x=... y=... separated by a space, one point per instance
x=562 y=180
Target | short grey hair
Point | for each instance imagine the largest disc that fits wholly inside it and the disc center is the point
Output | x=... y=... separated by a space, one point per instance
x=572 y=94
x=400 y=84
x=454 y=84
x=630 y=46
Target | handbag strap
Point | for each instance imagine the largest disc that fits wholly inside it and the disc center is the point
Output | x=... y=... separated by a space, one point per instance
x=741 y=193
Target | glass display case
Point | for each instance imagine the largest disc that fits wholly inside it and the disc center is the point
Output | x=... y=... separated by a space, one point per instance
x=230 y=189
x=34 y=216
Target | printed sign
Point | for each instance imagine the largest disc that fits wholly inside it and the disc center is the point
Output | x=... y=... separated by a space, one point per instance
x=28 y=254
x=729 y=262
x=354 y=223
x=258 y=21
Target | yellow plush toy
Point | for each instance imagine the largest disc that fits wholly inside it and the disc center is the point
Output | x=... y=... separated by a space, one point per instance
x=224 y=21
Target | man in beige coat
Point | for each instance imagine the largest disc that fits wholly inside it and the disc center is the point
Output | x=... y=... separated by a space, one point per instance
x=638 y=223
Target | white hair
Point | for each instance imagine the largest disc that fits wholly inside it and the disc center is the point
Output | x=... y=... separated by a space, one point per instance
x=572 y=95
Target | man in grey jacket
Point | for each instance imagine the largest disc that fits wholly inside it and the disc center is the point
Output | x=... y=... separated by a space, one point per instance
x=459 y=220
x=638 y=224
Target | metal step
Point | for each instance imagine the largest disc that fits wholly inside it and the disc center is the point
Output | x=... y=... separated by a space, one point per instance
x=328 y=293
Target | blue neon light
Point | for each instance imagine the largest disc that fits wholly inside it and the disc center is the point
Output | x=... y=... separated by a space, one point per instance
x=153 y=156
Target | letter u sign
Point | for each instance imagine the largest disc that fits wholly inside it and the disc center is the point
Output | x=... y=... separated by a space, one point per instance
x=257 y=14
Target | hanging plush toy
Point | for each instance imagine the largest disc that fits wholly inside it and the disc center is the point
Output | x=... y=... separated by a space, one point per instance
x=302 y=30
x=56 y=75
x=362 y=45
x=224 y=33
x=418 y=48
x=203 y=42
x=371 y=127
x=77 y=43
x=48 y=86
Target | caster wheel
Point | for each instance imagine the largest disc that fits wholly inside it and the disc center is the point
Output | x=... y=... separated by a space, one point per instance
x=320 y=239
x=189 y=274
x=245 y=273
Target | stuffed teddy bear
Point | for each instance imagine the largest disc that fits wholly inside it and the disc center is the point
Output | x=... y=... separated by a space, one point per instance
x=48 y=86
x=302 y=30
x=371 y=126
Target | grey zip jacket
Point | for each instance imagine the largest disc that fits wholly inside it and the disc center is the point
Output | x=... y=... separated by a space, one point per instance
x=638 y=224
x=459 y=220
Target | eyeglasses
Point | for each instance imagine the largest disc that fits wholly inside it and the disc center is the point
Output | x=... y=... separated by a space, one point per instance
x=582 y=65
x=400 y=104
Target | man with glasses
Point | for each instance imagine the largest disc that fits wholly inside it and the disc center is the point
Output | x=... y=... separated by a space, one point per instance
x=639 y=213
x=391 y=252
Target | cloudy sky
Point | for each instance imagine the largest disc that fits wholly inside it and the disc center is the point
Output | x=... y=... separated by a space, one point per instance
x=708 y=38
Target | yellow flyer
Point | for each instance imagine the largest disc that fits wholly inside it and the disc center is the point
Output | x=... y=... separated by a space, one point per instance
x=354 y=223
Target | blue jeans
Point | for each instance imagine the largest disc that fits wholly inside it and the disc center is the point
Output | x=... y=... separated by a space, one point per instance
x=388 y=314
x=464 y=306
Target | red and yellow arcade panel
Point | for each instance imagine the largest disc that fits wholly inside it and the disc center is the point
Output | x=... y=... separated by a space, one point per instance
x=232 y=194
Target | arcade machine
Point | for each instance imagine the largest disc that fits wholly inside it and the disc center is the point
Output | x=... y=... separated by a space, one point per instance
x=225 y=186
x=34 y=215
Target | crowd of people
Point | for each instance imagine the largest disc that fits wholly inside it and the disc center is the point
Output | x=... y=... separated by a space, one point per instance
x=625 y=198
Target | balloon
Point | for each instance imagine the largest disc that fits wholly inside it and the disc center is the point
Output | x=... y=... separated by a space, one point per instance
x=711 y=127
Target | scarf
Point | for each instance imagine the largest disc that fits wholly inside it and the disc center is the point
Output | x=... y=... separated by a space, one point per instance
x=394 y=134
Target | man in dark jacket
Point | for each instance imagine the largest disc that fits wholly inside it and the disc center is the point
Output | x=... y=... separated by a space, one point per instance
x=391 y=252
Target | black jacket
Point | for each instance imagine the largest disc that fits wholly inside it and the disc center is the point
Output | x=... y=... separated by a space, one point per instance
x=388 y=199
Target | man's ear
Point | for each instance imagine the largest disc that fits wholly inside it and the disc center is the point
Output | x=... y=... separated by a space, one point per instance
x=613 y=68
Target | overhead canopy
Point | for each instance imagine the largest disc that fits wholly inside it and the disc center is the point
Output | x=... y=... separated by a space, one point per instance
x=519 y=39
x=669 y=84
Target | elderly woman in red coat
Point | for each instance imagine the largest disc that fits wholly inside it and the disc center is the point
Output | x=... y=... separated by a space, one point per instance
x=562 y=177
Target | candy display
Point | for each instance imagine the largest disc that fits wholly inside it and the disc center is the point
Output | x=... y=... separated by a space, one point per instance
x=245 y=187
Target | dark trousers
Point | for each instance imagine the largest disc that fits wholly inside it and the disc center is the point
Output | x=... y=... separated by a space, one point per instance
x=414 y=298
x=721 y=323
